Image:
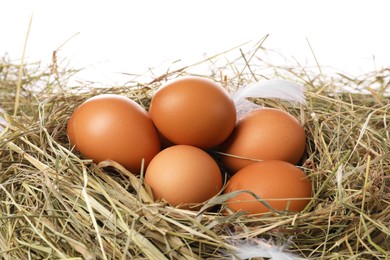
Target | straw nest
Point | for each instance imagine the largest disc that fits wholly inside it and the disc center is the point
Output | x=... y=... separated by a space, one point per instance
x=55 y=204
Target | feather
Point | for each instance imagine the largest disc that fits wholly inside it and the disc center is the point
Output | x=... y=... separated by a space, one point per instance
x=274 y=88
x=246 y=249
x=255 y=247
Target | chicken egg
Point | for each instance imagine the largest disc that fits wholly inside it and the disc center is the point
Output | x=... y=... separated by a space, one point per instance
x=114 y=127
x=193 y=111
x=282 y=185
x=183 y=175
x=264 y=134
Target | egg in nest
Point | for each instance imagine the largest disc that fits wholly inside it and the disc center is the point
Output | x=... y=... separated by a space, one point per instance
x=279 y=184
x=264 y=134
x=183 y=176
x=193 y=111
x=114 y=127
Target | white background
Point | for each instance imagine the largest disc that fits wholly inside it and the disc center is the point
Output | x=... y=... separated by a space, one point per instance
x=132 y=36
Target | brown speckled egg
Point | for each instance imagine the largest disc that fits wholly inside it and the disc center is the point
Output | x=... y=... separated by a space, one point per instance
x=183 y=175
x=264 y=134
x=193 y=111
x=280 y=184
x=114 y=127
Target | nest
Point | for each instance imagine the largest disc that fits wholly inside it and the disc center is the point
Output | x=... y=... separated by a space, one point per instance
x=56 y=204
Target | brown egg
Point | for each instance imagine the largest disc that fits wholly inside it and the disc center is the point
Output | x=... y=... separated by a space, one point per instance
x=281 y=184
x=193 y=111
x=183 y=175
x=264 y=134
x=114 y=127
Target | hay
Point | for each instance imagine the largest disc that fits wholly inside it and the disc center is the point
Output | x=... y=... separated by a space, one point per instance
x=56 y=204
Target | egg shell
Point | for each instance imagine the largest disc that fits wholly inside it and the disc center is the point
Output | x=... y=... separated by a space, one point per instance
x=183 y=175
x=193 y=111
x=264 y=134
x=281 y=184
x=114 y=127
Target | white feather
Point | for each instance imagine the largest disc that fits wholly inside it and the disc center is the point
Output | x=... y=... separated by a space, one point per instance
x=258 y=248
x=273 y=88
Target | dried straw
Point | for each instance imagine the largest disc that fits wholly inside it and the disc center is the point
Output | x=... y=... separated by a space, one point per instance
x=56 y=204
